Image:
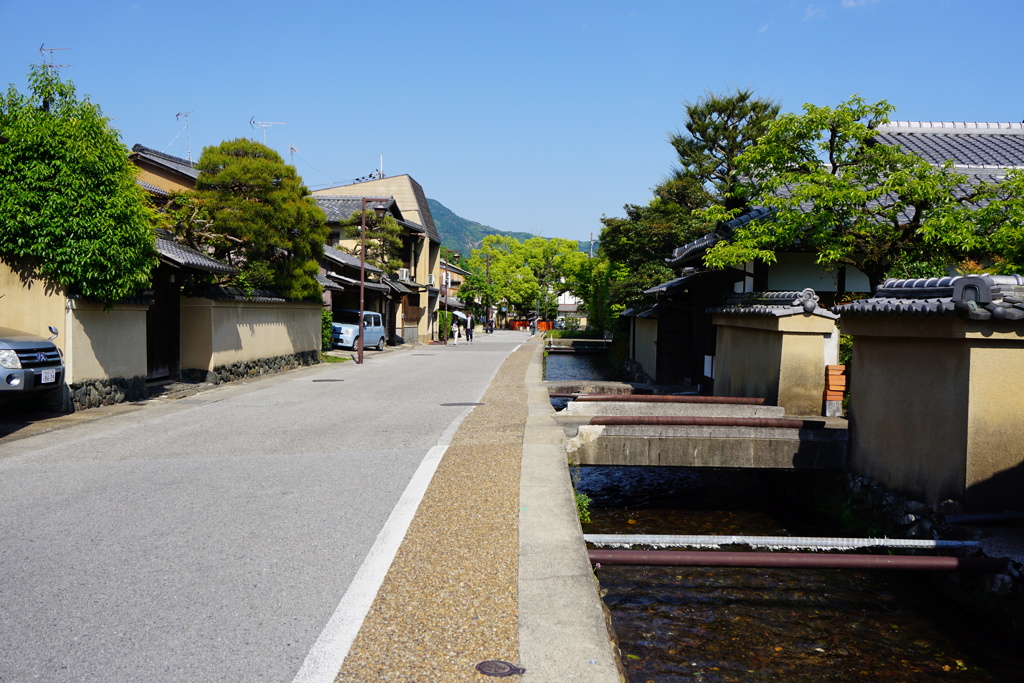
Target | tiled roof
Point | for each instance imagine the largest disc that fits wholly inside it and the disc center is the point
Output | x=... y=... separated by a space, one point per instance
x=187 y=257
x=672 y=285
x=691 y=251
x=152 y=189
x=328 y=283
x=968 y=145
x=236 y=294
x=775 y=304
x=975 y=297
x=343 y=259
x=341 y=207
x=176 y=164
x=400 y=186
x=353 y=282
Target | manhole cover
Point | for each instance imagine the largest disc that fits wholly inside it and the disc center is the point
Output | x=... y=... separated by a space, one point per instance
x=328 y=380
x=462 y=404
x=498 y=668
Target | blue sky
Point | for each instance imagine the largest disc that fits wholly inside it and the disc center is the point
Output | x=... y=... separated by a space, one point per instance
x=531 y=116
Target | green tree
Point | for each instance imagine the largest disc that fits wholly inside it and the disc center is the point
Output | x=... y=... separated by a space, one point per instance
x=717 y=129
x=70 y=209
x=259 y=217
x=848 y=199
x=524 y=276
x=500 y=275
x=383 y=240
x=556 y=264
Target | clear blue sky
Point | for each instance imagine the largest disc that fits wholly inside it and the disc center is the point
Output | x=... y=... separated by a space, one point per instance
x=531 y=116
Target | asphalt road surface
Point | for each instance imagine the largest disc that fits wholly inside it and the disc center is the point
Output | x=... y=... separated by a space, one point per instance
x=212 y=538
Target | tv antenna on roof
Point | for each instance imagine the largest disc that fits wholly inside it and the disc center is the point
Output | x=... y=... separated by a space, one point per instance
x=51 y=50
x=188 y=138
x=264 y=125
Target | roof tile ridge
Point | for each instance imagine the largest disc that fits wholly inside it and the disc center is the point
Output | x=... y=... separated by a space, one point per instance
x=142 y=149
x=951 y=126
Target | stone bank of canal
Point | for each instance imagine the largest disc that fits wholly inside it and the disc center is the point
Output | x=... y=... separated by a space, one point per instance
x=731 y=624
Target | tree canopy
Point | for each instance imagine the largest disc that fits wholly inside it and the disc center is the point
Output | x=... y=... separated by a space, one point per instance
x=258 y=216
x=836 y=192
x=70 y=209
x=718 y=128
x=523 y=276
x=383 y=240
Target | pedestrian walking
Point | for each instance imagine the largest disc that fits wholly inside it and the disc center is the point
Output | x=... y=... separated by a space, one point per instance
x=469 y=328
x=455 y=332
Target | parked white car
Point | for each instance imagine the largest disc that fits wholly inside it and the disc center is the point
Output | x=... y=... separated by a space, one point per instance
x=345 y=330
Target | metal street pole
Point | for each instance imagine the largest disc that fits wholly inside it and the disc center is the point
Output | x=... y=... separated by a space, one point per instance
x=362 y=279
x=379 y=210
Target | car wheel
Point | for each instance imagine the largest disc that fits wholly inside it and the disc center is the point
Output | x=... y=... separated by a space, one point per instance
x=380 y=344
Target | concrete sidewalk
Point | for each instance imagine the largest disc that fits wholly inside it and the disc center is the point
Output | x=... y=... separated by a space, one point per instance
x=493 y=566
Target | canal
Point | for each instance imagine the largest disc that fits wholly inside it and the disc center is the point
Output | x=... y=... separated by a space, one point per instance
x=733 y=624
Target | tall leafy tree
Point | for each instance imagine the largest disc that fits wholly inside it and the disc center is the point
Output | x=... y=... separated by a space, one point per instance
x=556 y=264
x=500 y=275
x=261 y=218
x=719 y=128
x=70 y=210
x=716 y=130
x=846 y=198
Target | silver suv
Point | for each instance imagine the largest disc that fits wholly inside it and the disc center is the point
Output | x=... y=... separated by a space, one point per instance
x=29 y=365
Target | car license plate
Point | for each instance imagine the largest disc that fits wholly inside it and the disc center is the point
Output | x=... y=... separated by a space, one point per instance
x=48 y=376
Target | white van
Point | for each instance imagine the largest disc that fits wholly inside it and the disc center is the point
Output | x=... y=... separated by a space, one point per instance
x=345 y=330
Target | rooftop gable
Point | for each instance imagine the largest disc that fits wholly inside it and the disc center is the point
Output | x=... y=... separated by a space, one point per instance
x=407 y=193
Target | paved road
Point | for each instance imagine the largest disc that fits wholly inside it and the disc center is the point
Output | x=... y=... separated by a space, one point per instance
x=211 y=538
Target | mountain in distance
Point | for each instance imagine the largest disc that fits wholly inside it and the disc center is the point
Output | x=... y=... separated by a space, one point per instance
x=463 y=235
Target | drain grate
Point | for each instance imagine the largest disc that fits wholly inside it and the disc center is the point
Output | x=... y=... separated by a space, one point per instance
x=328 y=380
x=463 y=404
x=496 y=667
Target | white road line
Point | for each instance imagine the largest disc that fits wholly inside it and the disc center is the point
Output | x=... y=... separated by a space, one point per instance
x=328 y=653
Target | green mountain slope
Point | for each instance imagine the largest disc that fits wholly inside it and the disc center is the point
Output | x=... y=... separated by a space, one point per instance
x=463 y=235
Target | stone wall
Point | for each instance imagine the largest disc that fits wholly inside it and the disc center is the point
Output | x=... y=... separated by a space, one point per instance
x=251 y=368
x=94 y=393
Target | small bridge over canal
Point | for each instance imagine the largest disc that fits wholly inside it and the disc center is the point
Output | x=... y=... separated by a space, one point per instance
x=619 y=428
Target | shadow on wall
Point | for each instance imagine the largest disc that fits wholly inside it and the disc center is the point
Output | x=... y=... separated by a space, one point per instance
x=998 y=493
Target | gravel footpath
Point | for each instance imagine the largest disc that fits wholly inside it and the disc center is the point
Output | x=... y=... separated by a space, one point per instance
x=449 y=600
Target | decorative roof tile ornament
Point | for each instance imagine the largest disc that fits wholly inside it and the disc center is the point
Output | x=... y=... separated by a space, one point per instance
x=974 y=297
x=777 y=304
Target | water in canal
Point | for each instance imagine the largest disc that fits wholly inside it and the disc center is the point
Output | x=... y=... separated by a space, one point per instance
x=738 y=624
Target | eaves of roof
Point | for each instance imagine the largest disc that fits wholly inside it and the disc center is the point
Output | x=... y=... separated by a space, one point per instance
x=171 y=163
x=348 y=260
x=352 y=282
x=670 y=287
x=691 y=251
x=182 y=256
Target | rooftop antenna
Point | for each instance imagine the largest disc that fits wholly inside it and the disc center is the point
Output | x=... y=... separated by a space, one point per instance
x=264 y=125
x=51 y=50
x=188 y=138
